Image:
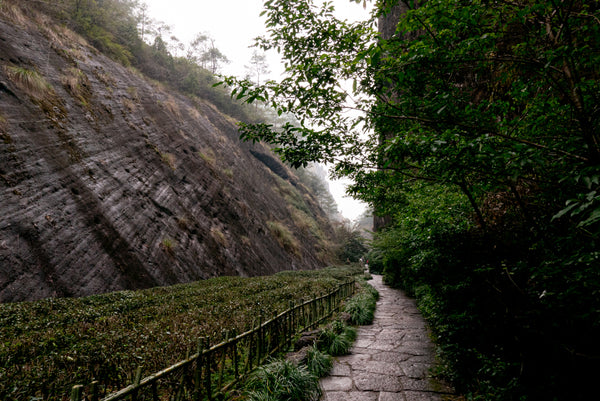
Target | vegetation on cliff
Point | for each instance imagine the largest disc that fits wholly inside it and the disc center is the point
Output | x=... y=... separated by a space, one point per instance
x=122 y=30
x=479 y=144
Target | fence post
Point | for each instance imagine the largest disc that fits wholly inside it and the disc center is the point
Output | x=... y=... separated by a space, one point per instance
x=76 y=392
x=284 y=330
x=207 y=367
x=302 y=317
x=198 y=370
x=225 y=336
x=136 y=382
x=321 y=305
x=138 y=376
x=259 y=339
x=236 y=370
x=250 y=348
x=293 y=318
x=290 y=330
x=276 y=336
x=154 y=391
x=94 y=390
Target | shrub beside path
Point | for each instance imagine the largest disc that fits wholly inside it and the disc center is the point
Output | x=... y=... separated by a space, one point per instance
x=390 y=359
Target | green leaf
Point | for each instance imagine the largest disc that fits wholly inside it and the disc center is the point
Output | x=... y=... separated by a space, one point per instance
x=565 y=211
x=594 y=217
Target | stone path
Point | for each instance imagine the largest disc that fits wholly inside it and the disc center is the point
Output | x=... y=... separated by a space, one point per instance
x=390 y=358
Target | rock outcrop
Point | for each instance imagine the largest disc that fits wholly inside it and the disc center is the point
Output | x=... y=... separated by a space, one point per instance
x=110 y=181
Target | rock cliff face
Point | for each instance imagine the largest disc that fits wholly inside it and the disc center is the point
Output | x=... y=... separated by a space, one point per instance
x=109 y=181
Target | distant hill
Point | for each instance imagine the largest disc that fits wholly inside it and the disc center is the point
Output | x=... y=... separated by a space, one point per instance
x=110 y=180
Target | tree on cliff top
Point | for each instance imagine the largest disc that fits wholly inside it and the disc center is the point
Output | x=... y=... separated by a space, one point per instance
x=493 y=97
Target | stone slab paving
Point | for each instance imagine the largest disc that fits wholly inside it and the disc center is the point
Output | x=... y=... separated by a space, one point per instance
x=390 y=359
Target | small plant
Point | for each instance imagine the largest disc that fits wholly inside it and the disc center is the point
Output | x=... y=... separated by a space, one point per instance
x=338 y=326
x=285 y=238
x=208 y=156
x=306 y=222
x=281 y=380
x=129 y=104
x=183 y=222
x=30 y=81
x=336 y=339
x=342 y=328
x=372 y=291
x=74 y=82
x=350 y=333
x=193 y=112
x=13 y=13
x=132 y=91
x=173 y=108
x=168 y=245
x=228 y=172
x=169 y=159
x=318 y=363
x=245 y=240
x=106 y=79
x=361 y=308
x=219 y=237
x=340 y=345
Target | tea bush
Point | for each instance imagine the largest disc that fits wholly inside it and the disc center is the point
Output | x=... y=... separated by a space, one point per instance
x=49 y=345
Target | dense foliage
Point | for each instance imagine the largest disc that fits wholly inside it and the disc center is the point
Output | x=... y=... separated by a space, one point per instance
x=48 y=346
x=479 y=142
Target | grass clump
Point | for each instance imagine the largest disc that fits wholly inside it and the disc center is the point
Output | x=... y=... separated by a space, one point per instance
x=336 y=339
x=282 y=380
x=219 y=237
x=208 y=155
x=30 y=81
x=361 y=307
x=173 y=108
x=371 y=290
x=168 y=245
x=13 y=13
x=318 y=362
x=306 y=223
x=183 y=222
x=76 y=84
x=284 y=236
x=169 y=159
x=228 y=173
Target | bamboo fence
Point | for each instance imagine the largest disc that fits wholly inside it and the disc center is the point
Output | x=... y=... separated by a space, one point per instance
x=213 y=370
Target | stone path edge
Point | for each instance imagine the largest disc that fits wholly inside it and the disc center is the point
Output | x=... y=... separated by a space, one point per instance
x=390 y=359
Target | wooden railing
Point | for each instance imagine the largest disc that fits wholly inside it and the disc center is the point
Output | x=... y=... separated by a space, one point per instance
x=213 y=370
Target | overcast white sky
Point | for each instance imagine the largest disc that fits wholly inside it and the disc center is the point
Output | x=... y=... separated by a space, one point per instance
x=234 y=24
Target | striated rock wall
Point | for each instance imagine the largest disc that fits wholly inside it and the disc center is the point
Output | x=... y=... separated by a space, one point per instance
x=109 y=181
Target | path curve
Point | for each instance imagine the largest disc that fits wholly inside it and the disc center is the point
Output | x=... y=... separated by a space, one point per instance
x=390 y=359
